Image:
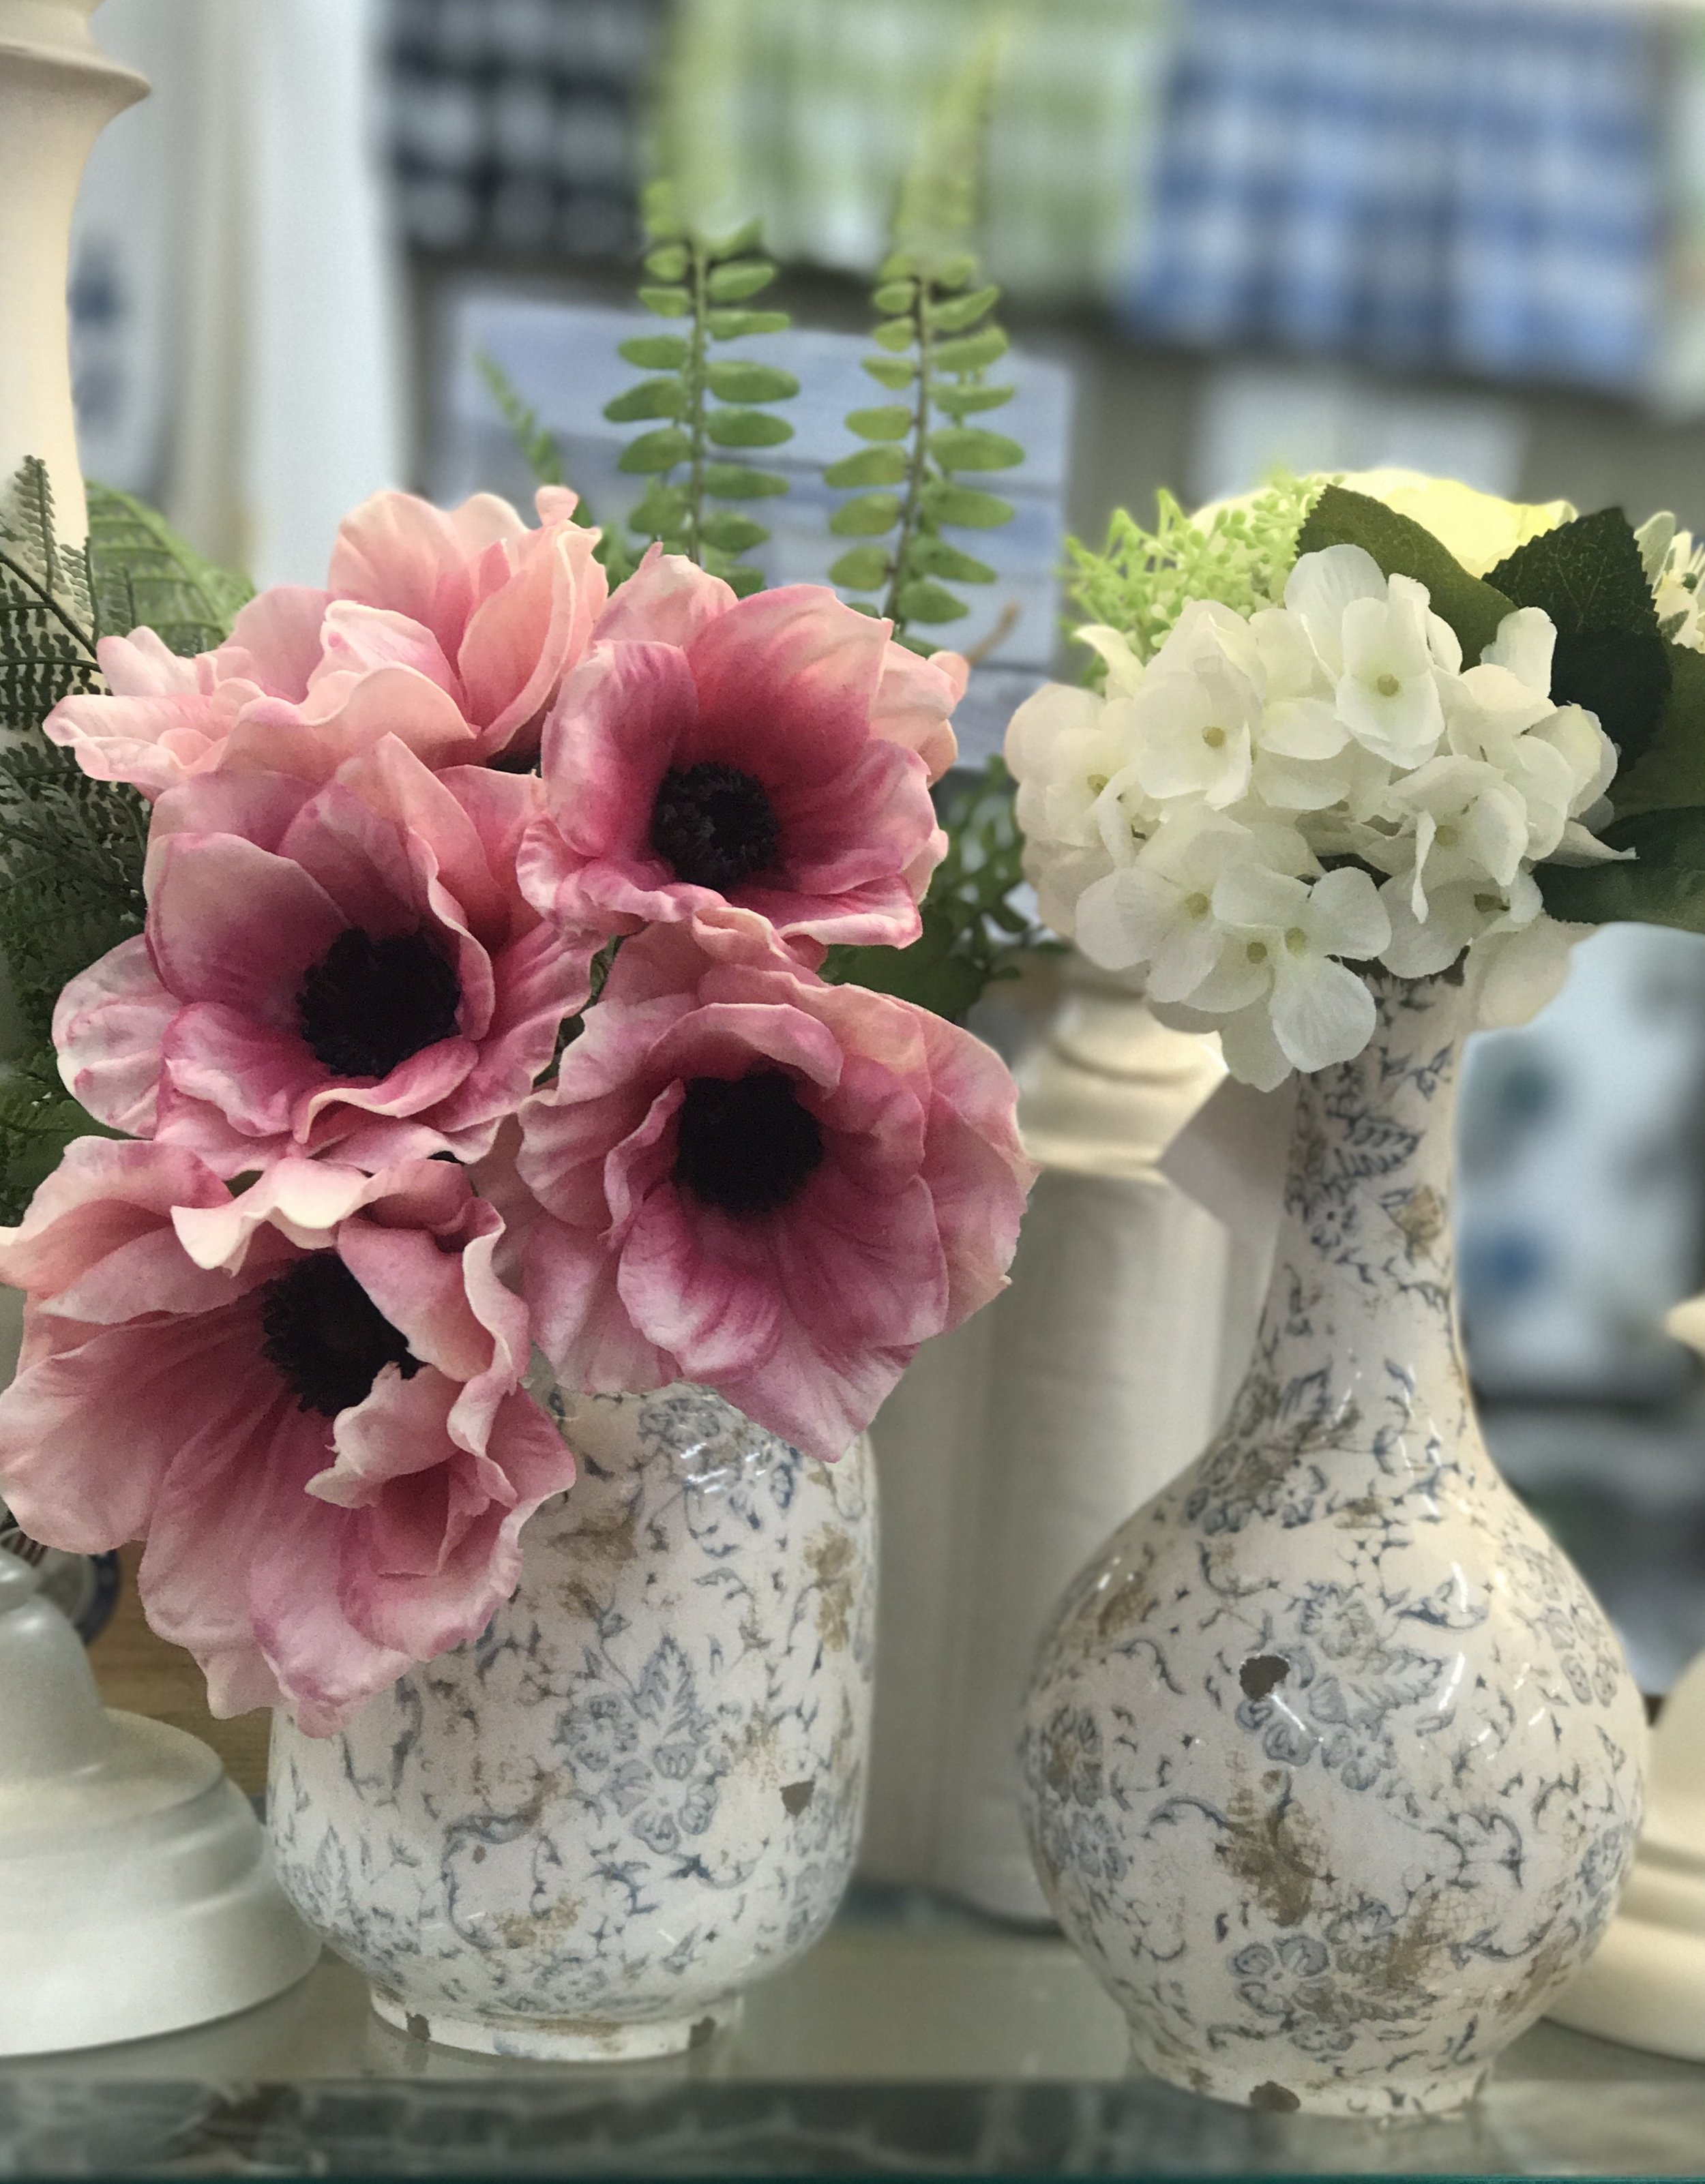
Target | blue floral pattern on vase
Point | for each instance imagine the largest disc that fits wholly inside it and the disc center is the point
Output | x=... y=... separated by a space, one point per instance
x=1332 y=1766
x=641 y=1788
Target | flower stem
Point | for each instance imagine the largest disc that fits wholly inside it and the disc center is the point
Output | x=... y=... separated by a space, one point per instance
x=917 y=474
x=695 y=384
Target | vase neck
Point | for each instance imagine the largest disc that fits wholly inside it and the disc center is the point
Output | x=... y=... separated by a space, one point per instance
x=1366 y=1219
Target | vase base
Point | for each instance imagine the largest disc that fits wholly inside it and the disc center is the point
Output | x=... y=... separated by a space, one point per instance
x=562 y=2039
x=1272 y=2089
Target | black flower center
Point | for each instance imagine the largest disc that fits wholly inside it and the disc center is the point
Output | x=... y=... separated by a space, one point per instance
x=745 y=1145
x=713 y=826
x=368 y=1005
x=327 y=1335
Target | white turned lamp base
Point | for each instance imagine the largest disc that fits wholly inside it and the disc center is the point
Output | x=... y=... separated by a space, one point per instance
x=1644 y=1984
x=138 y=1889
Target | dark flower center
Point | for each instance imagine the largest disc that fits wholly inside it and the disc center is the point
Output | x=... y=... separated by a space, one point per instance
x=368 y=1005
x=745 y=1145
x=327 y=1335
x=714 y=825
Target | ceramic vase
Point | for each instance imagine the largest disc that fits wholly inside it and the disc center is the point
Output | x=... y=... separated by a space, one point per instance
x=580 y=1837
x=1332 y=1765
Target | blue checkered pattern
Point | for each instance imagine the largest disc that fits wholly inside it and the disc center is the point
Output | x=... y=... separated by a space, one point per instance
x=1443 y=184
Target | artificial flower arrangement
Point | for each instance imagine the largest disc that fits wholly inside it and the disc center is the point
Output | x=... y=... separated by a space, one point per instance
x=1380 y=726
x=451 y=982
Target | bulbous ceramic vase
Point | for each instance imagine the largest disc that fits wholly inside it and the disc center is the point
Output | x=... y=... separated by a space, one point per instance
x=640 y=1791
x=1332 y=1765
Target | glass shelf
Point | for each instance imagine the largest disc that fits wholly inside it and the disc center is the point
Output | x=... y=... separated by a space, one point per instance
x=943 y=2047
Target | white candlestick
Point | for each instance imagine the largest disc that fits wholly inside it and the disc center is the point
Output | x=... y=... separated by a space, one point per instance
x=58 y=92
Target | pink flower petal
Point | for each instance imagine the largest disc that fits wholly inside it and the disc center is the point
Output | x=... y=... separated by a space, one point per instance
x=108 y=1023
x=232 y=923
x=668 y=600
x=275 y=642
x=784 y=672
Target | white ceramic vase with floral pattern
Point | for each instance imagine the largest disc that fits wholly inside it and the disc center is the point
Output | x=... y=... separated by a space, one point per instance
x=1332 y=1765
x=583 y=1836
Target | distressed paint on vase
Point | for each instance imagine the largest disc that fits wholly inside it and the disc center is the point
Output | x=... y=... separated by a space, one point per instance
x=1332 y=1764
x=583 y=1835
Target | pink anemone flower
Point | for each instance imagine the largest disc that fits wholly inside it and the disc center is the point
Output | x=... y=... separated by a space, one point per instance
x=775 y=753
x=347 y=970
x=772 y=1186
x=305 y=1399
x=449 y=629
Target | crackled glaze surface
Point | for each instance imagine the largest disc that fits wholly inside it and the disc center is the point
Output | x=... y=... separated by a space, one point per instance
x=1332 y=1765
x=641 y=1789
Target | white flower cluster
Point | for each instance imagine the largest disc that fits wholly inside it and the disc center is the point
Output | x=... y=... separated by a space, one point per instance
x=1274 y=799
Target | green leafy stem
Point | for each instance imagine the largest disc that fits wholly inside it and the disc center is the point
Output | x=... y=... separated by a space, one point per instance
x=937 y=340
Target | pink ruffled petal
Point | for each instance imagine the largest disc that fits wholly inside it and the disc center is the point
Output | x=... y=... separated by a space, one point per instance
x=523 y=640
x=275 y=642
x=614 y=733
x=913 y=700
x=399 y=552
x=785 y=681
x=108 y=1024
x=232 y=923
x=357 y=639
x=668 y=600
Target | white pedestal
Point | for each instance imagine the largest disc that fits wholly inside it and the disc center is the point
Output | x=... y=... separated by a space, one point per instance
x=137 y=1885
x=1014 y=1445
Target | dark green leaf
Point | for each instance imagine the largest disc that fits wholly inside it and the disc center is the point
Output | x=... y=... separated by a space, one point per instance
x=959 y=315
x=963 y=504
x=1473 y=608
x=1586 y=574
x=144 y=573
x=729 y=325
x=930 y=556
x=731 y=533
x=894 y=296
x=929 y=973
x=922 y=601
x=667 y=303
x=733 y=284
x=655 y=351
x=870 y=514
x=969 y=352
x=655 y=451
x=895 y=371
x=1665 y=885
x=747 y=428
x=652 y=398
x=1622 y=678
x=894 y=334
x=733 y=378
x=892 y=421
x=861 y=569
x=1671 y=772
x=737 y=482
x=962 y=447
x=966 y=401
x=870 y=466
x=667 y=263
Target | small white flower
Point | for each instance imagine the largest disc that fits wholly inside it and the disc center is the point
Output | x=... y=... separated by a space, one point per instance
x=1383 y=646
x=1196 y=734
x=1460 y=913
x=1460 y=819
x=1124 y=669
x=1284 y=936
x=1159 y=910
x=1065 y=747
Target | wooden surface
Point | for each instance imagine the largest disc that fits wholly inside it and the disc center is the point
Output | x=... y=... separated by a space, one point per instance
x=143 y=1675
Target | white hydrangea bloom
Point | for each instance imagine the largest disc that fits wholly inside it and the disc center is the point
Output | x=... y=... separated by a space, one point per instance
x=1275 y=802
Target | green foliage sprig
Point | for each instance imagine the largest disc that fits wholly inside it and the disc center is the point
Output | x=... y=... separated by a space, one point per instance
x=1139 y=582
x=71 y=849
x=938 y=337
x=538 y=448
x=710 y=405
x=973 y=933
